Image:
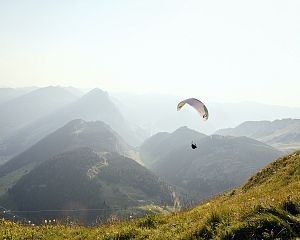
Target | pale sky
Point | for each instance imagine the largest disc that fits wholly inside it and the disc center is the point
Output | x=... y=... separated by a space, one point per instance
x=215 y=50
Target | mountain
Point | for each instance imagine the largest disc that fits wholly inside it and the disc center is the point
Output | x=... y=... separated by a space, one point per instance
x=27 y=108
x=266 y=207
x=283 y=134
x=93 y=106
x=157 y=112
x=77 y=133
x=218 y=164
x=7 y=94
x=159 y=145
x=86 y=179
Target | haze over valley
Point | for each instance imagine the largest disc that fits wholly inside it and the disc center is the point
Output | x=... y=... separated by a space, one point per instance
x=102 y=141
x=156 y=120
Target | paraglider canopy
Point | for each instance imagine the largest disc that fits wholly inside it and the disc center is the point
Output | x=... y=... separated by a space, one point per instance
x=197 y=105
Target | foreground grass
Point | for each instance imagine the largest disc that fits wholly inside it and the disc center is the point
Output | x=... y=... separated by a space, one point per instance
x=266 y=207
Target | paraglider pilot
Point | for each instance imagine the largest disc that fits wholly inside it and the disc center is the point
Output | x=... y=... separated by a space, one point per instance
x=193 y=145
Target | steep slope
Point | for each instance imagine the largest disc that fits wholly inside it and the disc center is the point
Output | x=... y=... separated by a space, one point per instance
x=266 y=207
x=283 y=134
x=93 y=106
x=158 y=146
x=218 y=164
x=85 y=179
x=77 y=133
x=27 y=108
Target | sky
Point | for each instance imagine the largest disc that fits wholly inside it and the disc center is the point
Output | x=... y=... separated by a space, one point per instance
x=215 y=50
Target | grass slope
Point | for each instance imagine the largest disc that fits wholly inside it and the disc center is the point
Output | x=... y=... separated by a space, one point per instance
x=265 y=207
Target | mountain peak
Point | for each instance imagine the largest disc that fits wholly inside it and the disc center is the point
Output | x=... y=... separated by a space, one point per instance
x=96 y=92
x=187 y=131
x=96 y=135
x=76 y=122
x=80 y=125
x=183 y=129
x=95 y=96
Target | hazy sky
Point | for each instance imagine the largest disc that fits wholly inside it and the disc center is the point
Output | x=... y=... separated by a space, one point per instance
x=214 y=50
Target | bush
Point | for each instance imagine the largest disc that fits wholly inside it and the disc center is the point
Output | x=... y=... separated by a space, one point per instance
x=290 y=207
x=149 y=221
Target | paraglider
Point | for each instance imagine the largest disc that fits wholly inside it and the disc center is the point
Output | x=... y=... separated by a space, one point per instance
x=193 y=145
x=199 y=107
x=196 y=104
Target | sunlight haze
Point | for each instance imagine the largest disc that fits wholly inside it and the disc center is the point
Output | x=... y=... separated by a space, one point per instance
x=223 y=51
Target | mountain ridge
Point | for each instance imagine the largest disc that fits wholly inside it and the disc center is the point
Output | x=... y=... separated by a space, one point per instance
x=97 y=135
x=94 y=105
x=87 y=179
x=25 y=109
x=283 y=134
x=219 y=163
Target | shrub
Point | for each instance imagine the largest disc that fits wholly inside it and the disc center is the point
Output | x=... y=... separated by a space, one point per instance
x=149 y=221
x=290 y=207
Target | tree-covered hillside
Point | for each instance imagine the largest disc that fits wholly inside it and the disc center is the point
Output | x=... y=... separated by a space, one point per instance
x=217 y=165
x=85 y=179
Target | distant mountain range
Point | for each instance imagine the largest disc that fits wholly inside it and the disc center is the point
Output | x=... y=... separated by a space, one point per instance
x=27 y=108
x=157 y=112
x=7 y=94
x=30 y=116
x=95 y=105
x=283 y=134
x=218 y=164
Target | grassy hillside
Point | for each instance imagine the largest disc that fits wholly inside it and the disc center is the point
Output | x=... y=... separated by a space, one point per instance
x=265 y=207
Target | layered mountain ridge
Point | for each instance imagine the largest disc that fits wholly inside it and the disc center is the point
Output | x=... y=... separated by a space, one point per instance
x=219 y=163
x=283 y=134
x=85 y=179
